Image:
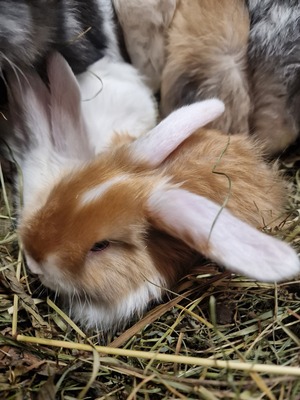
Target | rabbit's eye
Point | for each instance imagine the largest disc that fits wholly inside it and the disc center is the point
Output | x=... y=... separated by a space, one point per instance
x=99 y=246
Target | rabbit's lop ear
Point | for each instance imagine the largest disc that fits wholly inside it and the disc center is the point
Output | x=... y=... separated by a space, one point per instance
x=68 y=128
x=221 y=237
x=154 y=147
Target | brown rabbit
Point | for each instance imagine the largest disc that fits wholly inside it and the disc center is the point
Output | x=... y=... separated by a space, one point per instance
x=207 y=57
x=145 y=25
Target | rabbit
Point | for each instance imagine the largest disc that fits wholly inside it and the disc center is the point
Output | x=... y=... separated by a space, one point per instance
x=274 y=51
x=83 y=31
x=145 y=26
x=96 y=102
x=110 y=233
x=207 y=57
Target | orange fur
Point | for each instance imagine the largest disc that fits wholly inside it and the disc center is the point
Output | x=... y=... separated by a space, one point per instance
x=120 y=138
x=207 y=57
x=257 y=192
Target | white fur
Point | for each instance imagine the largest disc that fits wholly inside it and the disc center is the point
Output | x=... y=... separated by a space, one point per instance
x=96 y=192
x=98 y=314
x=33 y=265
x=50 y=274
x=230 y=242
x=109 y=28
x=173 y=130
x=40 y=171
x=115 y=99
x=73 y=132
x=106 y=317
x=41 y=163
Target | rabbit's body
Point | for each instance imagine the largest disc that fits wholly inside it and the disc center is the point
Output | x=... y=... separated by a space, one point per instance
x=83 y=31
x=110 y=233
x=115 y=99
x=113 y=205
x=274 y=50
x=233 y=167
x=207 y=57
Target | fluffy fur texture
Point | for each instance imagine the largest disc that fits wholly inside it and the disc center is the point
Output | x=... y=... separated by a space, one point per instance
x=84 y=31
x=274 y=50
x=95 y=107
x=115 y=99
x=207 y=57
x=145 y=25
x=212 y=53
x=110 y=234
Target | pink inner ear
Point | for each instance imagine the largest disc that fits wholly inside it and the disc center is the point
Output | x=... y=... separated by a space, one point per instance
x=68 y=129
x=230 y=242
x=156 y=146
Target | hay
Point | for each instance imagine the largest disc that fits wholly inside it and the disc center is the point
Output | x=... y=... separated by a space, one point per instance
x=221 y=337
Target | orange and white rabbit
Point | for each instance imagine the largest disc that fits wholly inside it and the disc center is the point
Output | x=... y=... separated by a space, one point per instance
x=110 y=233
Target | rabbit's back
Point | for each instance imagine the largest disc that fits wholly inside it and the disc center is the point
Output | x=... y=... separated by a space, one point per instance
x=206 y=57
x=219 y=166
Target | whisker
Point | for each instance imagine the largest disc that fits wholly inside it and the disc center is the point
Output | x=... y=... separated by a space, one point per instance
x=55 y=295
x=15 y=69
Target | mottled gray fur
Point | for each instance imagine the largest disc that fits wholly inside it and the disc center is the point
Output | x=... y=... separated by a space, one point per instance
x=82 y=30
x=274 y=61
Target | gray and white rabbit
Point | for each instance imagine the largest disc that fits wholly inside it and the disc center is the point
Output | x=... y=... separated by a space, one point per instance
x=82 y=30
x=274 y=64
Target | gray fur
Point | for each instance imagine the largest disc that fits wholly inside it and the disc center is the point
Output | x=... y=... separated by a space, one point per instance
x=274 y=61
x=82 y=30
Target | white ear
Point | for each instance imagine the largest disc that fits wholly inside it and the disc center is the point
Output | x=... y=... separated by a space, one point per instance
x=230 y=242
x=68 y=128
x=154 y=147
x=29 y=106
